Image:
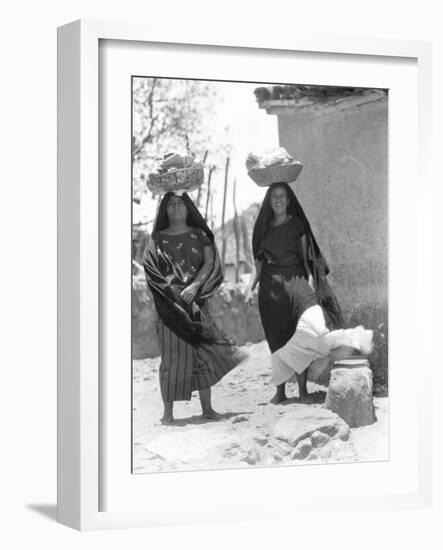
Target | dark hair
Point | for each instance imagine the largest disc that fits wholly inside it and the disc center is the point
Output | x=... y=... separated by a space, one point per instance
x=193 y=218
x=173 y=313
x=295 y=209
x=278 y=184
x=266 y=214
x=168 y=198
x=316 y=262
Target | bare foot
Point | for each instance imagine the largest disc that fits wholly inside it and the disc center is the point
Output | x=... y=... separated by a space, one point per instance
x=167 y=420
x=306 y=398
x=278 y=398
x=212 y=415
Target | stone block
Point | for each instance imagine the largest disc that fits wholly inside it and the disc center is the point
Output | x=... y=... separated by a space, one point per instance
x=349 y=395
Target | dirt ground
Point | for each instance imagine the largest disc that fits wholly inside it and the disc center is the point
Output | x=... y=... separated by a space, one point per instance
x=244 y=437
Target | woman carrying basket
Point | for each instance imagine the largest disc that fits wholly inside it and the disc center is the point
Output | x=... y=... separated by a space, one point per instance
x=183 y=270
x=297 y=307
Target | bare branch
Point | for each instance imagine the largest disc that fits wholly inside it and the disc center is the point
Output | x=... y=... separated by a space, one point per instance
x=147 y=138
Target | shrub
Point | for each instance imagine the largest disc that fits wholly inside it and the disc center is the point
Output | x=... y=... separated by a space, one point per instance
x=375 y=317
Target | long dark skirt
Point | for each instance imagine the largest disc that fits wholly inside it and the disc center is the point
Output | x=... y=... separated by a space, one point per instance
x=284 y=294
x=185 y=368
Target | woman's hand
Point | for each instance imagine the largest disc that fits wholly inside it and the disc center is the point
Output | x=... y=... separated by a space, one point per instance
x=249 y=298
x=188 y=294
x=311 y=282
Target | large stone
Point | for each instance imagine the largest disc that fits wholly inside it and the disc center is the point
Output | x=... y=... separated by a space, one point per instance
x=350 y=395
x=303 y=422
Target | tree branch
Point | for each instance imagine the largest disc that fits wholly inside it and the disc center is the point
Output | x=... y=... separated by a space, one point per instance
x=148 y=135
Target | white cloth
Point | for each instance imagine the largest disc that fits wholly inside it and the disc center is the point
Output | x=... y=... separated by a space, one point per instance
x=276 y=156
x=310 y=345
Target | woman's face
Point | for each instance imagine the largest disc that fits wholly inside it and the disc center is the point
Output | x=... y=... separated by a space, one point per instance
x=279 y=201
x=176 y=209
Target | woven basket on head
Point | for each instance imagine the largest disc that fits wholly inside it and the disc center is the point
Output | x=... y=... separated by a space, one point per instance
x=276 y=173
x=182 y=179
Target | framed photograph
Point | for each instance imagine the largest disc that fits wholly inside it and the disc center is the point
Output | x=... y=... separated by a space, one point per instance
x=242 y=225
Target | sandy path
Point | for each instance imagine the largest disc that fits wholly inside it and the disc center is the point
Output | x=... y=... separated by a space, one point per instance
x=244 y=436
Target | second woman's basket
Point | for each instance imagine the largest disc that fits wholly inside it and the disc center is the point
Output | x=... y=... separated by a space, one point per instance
x=276 y=173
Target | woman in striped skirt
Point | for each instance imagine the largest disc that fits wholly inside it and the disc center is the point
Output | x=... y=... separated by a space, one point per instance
x=183 y=270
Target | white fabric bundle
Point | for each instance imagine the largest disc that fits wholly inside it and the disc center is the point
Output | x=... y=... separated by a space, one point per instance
x=276 y=156
x=311 y=343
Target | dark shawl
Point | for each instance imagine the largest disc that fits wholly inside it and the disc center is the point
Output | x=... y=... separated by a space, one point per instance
x=316 y=262
x=181 y=318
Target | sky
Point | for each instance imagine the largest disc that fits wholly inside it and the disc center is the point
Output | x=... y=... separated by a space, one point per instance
x=250 y=129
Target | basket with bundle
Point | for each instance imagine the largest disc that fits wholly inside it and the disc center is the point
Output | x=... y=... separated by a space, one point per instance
x=273 y=167
x=176 y=172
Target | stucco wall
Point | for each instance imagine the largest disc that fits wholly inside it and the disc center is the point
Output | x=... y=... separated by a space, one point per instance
x=344 y=190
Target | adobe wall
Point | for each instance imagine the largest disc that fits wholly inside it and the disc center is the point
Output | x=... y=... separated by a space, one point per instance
x=344 y=190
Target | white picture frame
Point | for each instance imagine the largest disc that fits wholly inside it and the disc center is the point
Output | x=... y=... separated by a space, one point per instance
x=79 y=294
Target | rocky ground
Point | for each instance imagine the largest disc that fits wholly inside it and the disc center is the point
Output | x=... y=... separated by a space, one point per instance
x=252 y=432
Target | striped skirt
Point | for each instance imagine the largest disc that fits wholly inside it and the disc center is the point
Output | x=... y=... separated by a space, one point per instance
x=185 y=368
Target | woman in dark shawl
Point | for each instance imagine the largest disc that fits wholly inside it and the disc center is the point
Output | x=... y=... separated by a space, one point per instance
x=301 y=317
x=183 y=270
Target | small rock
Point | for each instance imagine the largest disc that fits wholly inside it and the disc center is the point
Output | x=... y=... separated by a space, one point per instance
x=241 y=418
x=343 y=433
x=154 y=456
x=261 y=440
x=252 y=457
x=302 y=450
x=285 y=452
x=331 y=430
x=313 y=455
x=231 y=450
x=319 y=439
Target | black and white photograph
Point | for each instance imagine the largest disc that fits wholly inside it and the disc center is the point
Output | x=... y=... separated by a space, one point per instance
x=259 y=274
